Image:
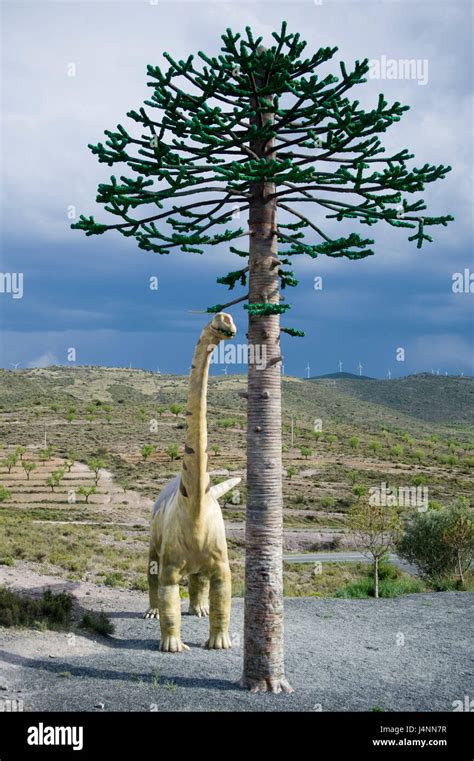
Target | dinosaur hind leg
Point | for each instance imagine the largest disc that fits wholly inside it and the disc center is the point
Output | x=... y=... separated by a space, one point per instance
x=219 y=617
x=153 y=574
x=198 y=595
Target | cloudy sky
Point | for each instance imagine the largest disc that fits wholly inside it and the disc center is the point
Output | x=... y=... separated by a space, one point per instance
x=93 y=294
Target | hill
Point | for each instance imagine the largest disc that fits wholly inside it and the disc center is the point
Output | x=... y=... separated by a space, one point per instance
x=340 y=376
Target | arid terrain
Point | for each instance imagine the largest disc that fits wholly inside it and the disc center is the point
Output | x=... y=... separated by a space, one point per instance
x=83 y=454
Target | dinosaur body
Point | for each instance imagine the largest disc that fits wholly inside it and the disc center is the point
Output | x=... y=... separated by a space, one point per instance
x=187 y=527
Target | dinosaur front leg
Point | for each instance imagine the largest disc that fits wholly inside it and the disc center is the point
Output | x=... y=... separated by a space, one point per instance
x=169 y=604
x=219 y=616
x=153 y=575
x=198 y=595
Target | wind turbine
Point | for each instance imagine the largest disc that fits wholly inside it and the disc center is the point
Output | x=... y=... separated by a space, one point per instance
x=158 y=371
x=307 y=369
x=389 y=375
x=340 y=366
x=225 y=370
x=359 y=367
x=15 y=365
x=282 y=368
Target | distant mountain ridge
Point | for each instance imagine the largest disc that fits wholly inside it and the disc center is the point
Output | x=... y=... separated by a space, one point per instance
x=340 y=376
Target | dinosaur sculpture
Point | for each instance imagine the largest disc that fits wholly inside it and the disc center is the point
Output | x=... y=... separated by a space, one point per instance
x=187 y=527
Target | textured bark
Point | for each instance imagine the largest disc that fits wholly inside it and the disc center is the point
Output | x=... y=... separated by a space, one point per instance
x=263 y=645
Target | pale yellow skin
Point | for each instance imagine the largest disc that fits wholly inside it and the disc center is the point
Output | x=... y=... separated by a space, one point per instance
x=187 y=529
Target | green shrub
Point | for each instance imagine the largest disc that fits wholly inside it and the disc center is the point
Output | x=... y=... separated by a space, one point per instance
x=388 y=587
x=114 y=579
x=51 y=611
x=440 y=542
x=97 y=622
x=4 y=494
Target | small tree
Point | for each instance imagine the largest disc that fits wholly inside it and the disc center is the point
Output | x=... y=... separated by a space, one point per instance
x=20 y=451
x=161 y=409
x=10 y=461
x=172 y=451
x=305 y=452
x=147 y=450
x=68 y=464
x=177 y=409
x=376 y=530
x=45 y=454
x=216 y=449
x=354 y=442
x=291 y=471
x=28 y=467
x=86 y=491
x=54 y=479
x=96 y=464
x=359 y=490
x=353 y=476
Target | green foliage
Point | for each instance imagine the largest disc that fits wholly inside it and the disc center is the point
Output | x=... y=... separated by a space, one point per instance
x=55 y=478
x=226 y=422
x=185 y=141
x=387 y=588
x=96 y=464
x=305 y=452
x=87 y=491
x=440 y=542
x=99 y=623
x=10 y=461
x=52 y=611
x=28 y=467
x=354 y=442
x=172 y=451
x=147 y=450
x=177 y=409
x=291 y=471
x=4 y=493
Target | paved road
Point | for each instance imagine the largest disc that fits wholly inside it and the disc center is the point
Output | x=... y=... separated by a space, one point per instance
x=344 y=557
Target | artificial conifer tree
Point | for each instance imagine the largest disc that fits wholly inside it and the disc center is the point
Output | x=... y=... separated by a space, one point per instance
x=260 y=131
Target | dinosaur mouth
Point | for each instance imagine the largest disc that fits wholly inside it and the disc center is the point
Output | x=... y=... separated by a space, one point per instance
x=227 y=332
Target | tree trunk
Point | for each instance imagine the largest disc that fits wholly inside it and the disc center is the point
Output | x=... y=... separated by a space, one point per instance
x=460 y=571
x=376 y=577
x=263 y=639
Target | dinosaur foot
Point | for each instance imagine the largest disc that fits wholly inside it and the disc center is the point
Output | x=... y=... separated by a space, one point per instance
x=266 y=685
x=199 y=610
x=171 y=644
x=218 y=641
x=151 y=613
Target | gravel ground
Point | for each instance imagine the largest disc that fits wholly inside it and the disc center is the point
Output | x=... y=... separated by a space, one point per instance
x=342 y=655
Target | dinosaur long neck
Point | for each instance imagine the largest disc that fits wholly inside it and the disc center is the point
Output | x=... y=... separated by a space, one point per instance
x=194 y=475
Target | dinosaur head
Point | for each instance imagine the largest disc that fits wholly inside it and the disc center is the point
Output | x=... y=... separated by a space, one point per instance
x=222 y=326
